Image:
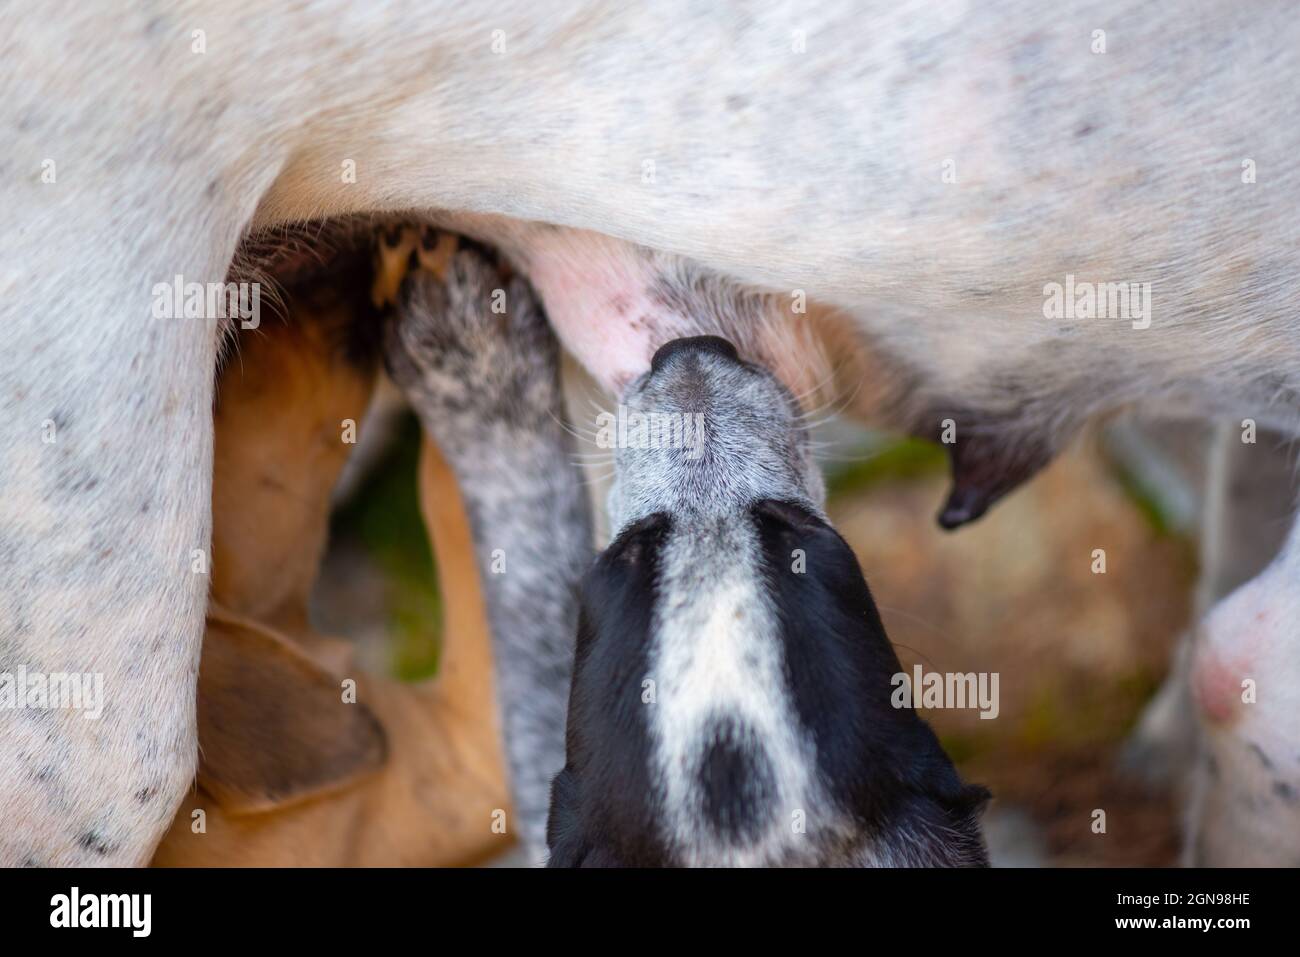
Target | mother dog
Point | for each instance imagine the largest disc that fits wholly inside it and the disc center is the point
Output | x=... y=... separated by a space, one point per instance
x=929 y=169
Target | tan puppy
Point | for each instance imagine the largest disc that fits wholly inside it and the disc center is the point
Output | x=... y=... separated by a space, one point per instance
x=289 y=774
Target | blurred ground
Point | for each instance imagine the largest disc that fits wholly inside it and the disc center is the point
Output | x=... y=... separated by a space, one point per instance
x=1077 y=653
x=377 y=585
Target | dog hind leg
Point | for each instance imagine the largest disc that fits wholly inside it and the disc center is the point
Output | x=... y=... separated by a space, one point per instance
x=104 y=476
x=1227 y=743
x=106 y=457
x=1245 y=801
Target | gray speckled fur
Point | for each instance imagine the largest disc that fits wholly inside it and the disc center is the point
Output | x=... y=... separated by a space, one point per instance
x=486 y=388
x=754 y=446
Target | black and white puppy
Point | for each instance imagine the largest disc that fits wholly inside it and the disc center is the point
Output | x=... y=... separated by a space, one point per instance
x=730 y=702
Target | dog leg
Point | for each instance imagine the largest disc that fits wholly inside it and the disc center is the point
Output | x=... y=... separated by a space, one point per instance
x=1161 y=751
x=1245 y=803
x=105 y=465
x=106 y=436
x=1239 y=677
x=480 y=365
x=1246 y=493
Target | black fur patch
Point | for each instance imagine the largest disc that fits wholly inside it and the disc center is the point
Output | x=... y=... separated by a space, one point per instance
x=602 y=813
x=881 y=762
x=736 y=781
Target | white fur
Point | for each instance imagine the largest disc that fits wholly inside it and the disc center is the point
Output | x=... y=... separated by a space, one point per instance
x=1246 y=786
x=717 y=656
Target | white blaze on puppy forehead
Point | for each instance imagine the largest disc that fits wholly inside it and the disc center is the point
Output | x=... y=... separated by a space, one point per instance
x=733 y=758
x=719 y=665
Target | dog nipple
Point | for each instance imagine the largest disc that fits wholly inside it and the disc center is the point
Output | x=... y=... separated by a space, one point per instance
x=984 y=469
x=964 y=505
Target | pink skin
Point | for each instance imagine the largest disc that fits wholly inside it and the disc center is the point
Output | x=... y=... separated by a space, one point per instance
x=1230 y=645
x=1244 y=806
x=594 y=289
x=1216 y=686
x=599 y=295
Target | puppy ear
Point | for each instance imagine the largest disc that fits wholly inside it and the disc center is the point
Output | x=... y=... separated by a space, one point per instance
x=936 y=830
x=563 y=830
x=963 y=843
x=971 y=802
x=273 y=727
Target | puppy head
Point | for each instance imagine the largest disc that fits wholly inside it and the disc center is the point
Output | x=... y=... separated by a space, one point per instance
x=731 y=698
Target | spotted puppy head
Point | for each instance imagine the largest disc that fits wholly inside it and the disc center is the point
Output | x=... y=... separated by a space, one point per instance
x=731 y=694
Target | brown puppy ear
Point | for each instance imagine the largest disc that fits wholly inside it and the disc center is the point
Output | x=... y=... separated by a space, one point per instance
x=273 y=727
